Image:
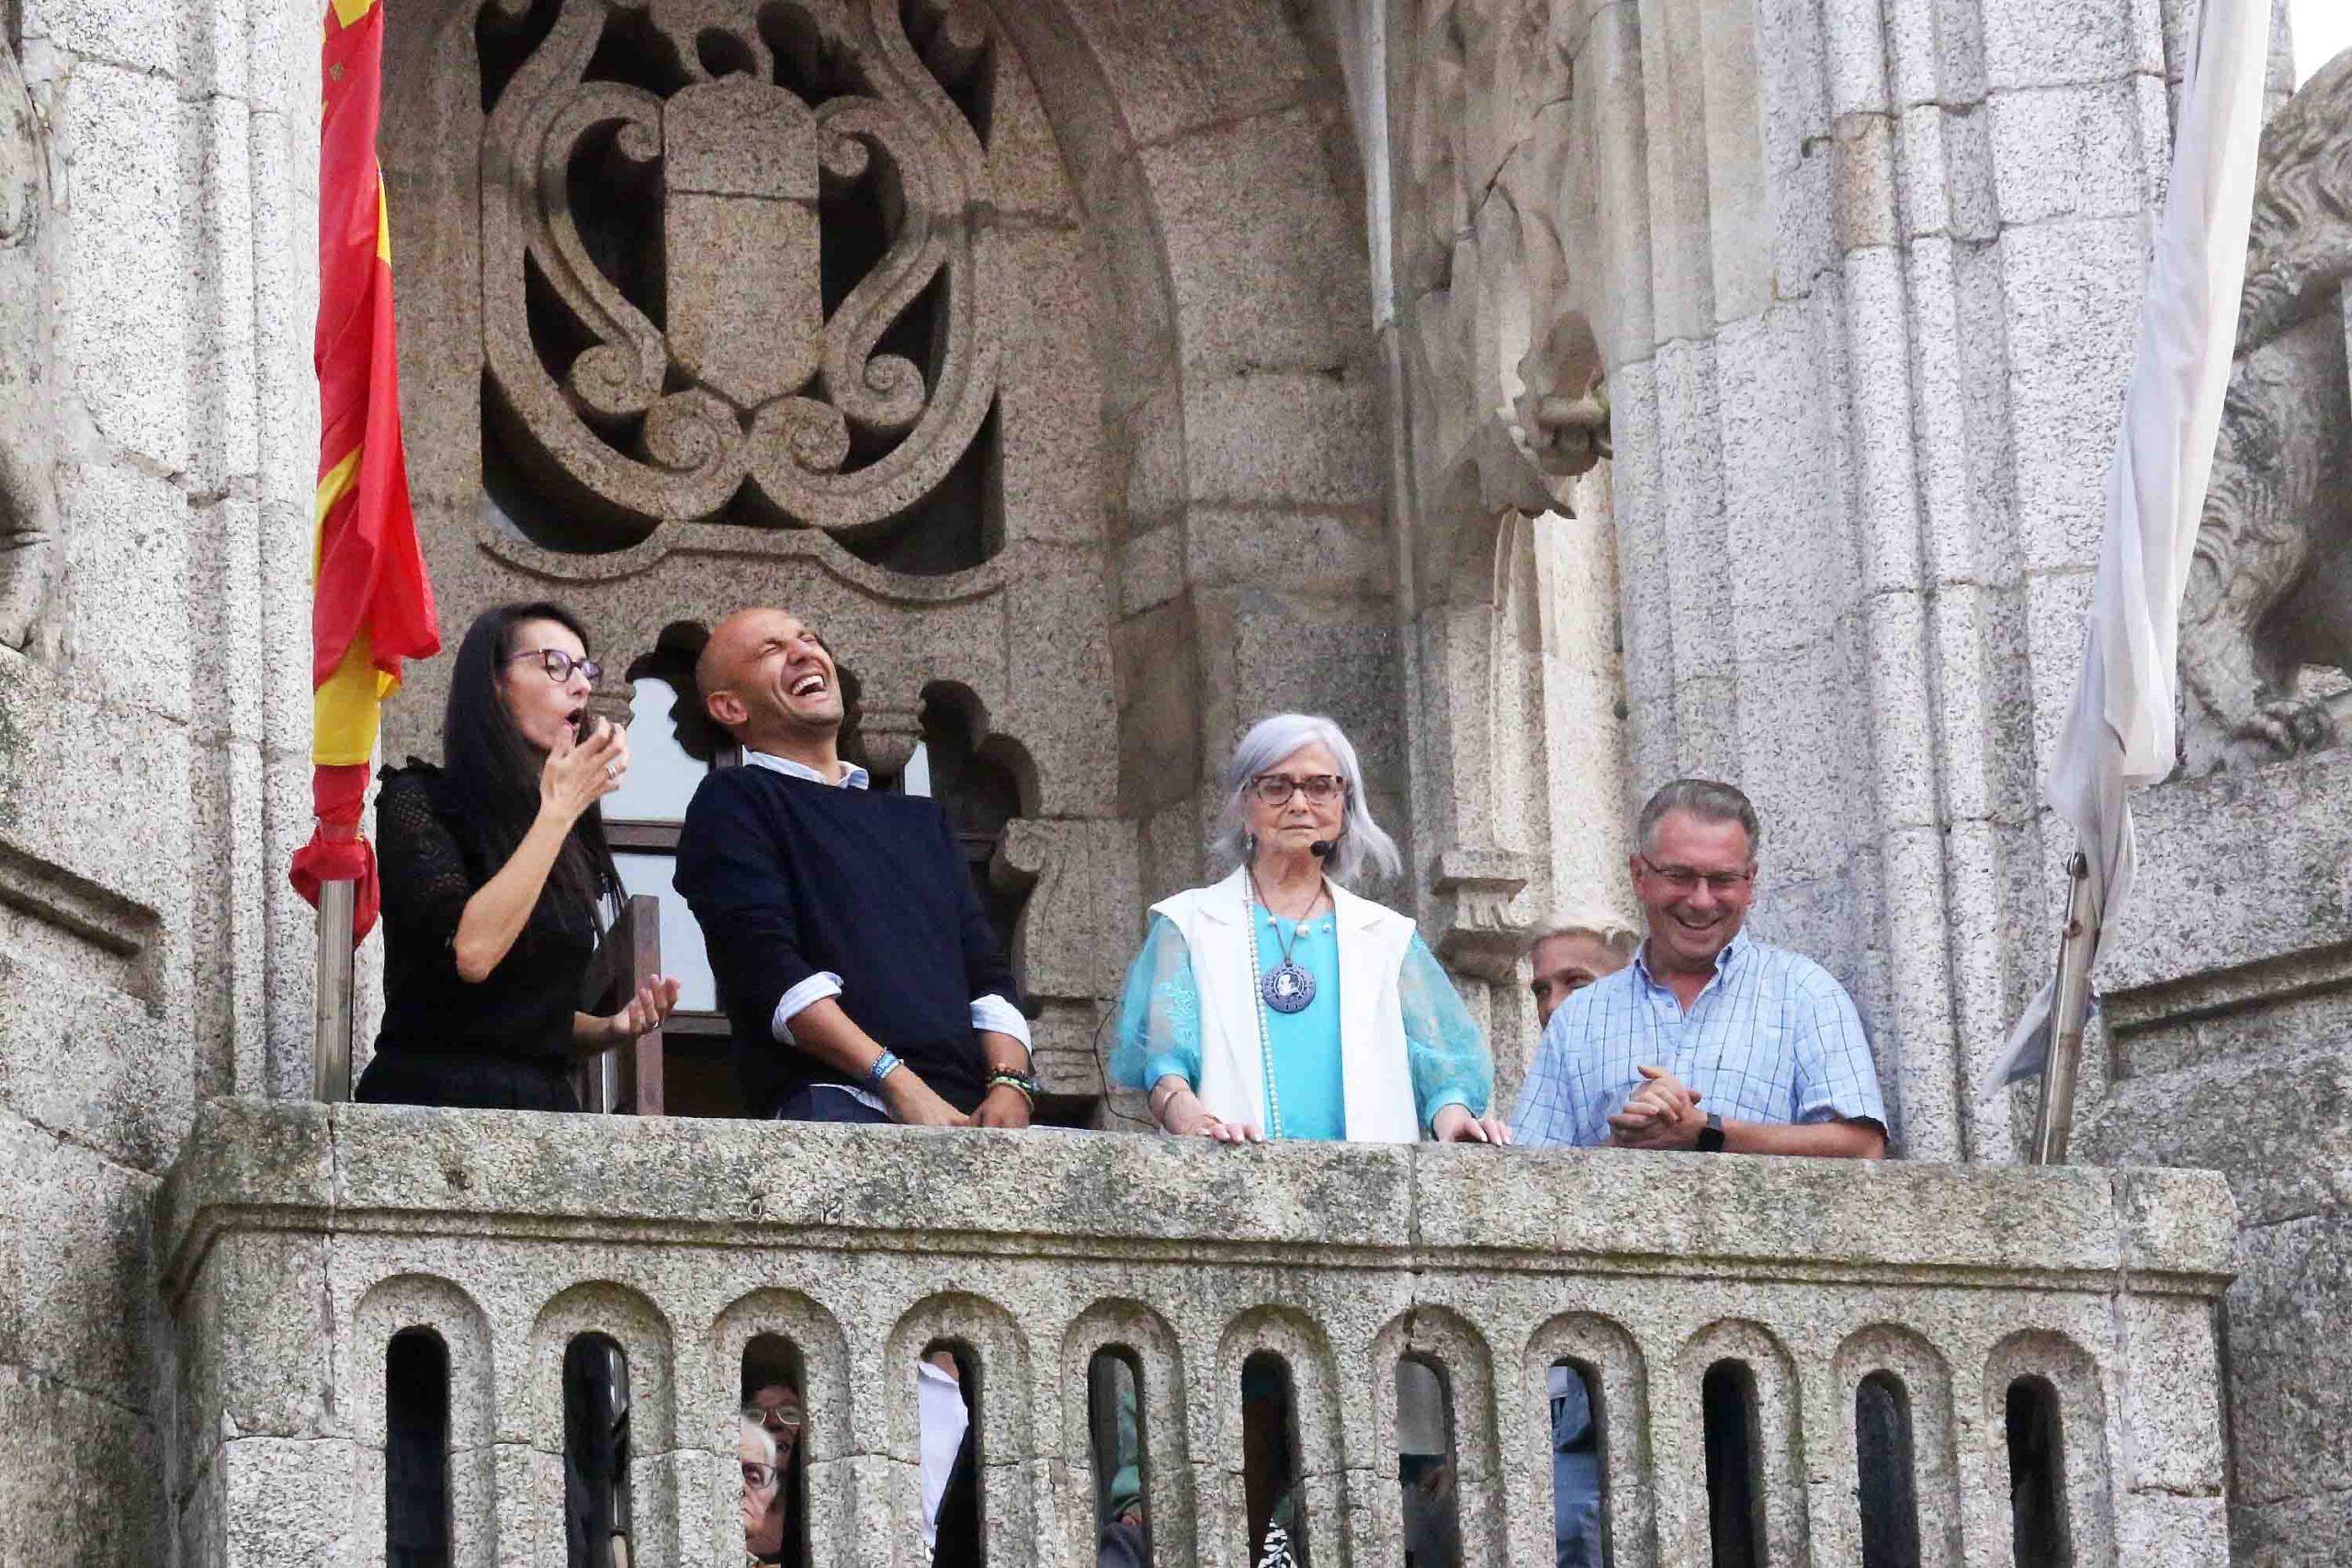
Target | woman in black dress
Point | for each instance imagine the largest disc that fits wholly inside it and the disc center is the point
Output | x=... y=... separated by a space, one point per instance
x=497 y=880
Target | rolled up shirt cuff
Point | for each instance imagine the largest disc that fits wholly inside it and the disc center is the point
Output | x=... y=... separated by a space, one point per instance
x=814 y=989
x=997 y=1016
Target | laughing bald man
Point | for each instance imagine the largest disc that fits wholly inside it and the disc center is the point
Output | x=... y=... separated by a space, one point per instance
x=859 y=974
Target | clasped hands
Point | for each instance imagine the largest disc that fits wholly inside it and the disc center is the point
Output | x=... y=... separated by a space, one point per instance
x=1662 y=1114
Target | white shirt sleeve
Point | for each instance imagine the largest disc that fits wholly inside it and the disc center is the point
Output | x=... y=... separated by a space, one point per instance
x=993 y=1013
x=815 y=989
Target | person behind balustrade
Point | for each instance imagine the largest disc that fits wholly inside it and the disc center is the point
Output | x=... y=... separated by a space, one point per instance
x=858 y=972
x=1567 y=955
x=1276 y=1003
x=496 y=880
x=764 y=1462
x=1711 y=1039
x=1562 y=959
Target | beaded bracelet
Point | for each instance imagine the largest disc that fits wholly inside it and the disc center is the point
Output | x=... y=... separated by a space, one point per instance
x=1027 y=1085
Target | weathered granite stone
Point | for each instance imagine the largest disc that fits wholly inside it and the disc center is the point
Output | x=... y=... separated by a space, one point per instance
x=509 y=1234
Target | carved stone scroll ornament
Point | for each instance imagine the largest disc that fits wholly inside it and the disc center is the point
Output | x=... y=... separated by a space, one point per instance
x=29 y=550
x=2271 y=591
x=745 y=384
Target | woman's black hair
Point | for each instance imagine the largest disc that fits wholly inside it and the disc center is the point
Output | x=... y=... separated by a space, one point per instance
x=494 y=772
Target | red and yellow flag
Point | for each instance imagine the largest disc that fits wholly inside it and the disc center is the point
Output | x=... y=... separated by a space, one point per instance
x=373 y=603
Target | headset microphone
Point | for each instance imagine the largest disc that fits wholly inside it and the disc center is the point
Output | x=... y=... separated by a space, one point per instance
x=1322 y=847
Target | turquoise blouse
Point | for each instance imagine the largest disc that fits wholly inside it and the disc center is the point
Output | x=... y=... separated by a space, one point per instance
x=1158 y=1031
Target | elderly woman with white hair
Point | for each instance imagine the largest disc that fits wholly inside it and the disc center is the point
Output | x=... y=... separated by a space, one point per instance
x=1276 y=1003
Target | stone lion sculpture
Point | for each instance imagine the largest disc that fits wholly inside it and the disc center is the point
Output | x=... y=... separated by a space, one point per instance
x=2270 y=589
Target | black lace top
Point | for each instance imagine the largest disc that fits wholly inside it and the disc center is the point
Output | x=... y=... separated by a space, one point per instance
x=432 y=862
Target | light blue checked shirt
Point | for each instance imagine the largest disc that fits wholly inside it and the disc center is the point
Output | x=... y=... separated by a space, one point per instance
x=1771 y=1039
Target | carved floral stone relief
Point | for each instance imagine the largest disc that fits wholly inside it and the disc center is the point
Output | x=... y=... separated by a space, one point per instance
x=731 y=254
x=2265 y=637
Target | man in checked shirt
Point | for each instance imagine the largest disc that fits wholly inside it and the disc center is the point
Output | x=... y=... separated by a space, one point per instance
x=1710 y=1040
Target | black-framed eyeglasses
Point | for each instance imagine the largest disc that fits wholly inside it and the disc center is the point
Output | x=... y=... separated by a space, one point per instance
x=758 y=1477
x=559 y=665
x=1683 y=879
x=1275 y=789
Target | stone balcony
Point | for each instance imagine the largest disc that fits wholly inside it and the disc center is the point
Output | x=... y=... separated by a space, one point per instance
x=300 y=1239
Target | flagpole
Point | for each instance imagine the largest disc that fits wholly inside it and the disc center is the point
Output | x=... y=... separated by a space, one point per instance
x=2054 y=1118
x=331 y=1010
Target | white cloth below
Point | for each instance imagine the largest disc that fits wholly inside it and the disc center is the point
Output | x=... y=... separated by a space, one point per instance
x=939 y=1404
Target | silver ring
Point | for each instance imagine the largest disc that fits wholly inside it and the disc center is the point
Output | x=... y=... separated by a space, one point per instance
x=613 y=772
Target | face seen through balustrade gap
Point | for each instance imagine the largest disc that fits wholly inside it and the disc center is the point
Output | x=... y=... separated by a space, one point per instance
x=1689 y=926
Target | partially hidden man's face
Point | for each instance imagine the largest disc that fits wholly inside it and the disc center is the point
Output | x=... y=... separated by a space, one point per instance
x=1564 y=965
x=1695 y=882
x=771 y=671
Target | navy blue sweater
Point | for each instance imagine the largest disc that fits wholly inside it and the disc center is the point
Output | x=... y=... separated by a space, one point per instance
x=790 y=878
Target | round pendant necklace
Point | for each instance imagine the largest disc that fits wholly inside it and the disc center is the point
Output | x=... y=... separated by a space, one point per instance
x=1288 y=988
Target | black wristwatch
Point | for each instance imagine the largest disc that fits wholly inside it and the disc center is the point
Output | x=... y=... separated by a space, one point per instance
x=1710 y=1136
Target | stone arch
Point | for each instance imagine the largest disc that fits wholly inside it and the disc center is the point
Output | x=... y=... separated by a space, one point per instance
x=2081 y=1386
x=829 y=1402
x=1317 y=1410
x=533 y=1392
x=1121 y=1324
x=1678 y=1441
x=1926 y=1381
x=1454 y=1345
x=389 y=1306
x=1602 y=1343
x=993 y=1339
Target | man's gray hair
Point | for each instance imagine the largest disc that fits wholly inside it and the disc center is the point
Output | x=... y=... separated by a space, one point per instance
x=1703 y=798
x=1362 y=843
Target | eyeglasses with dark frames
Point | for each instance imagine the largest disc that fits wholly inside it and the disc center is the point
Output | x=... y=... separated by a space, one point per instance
x=1275 y=789
x=758 y=1477
x=1683 y=879
x=559 y=665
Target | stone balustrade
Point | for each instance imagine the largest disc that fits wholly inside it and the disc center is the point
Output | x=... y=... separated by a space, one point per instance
x=300 y=1239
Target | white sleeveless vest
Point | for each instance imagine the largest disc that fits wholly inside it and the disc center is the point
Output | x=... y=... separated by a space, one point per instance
x=1376 y=1078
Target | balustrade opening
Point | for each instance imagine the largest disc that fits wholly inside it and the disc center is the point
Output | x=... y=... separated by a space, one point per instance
x=947 y=1402
x=1580 y=1481
x=775 y=1473
x=1426 y=1468
x=1269 y=1464
x=1735 y=1479
x=596 y=1453
x=2040 y=1533
x=416 y=1450
x=1116 y=1432
x=1884 y=1468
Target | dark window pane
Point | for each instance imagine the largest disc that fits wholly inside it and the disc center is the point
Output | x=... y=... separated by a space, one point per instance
x=2038 y=1477
x=1734 y=1481
x=1883 y=1465
x=596 y=1453
x=416 y=1450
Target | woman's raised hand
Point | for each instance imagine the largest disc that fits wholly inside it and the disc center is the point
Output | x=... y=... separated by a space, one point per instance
x=645 y=1011
x=581 y=773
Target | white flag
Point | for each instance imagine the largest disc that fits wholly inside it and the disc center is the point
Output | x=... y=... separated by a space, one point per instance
x=2119 y=734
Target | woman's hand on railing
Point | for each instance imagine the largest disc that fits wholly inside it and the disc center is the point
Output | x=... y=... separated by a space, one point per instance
x=1180 y=1112
x=1454 y=1124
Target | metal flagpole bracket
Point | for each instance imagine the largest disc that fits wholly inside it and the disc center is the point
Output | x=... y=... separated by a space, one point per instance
x=331 y=1011
x=2054 y=1120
